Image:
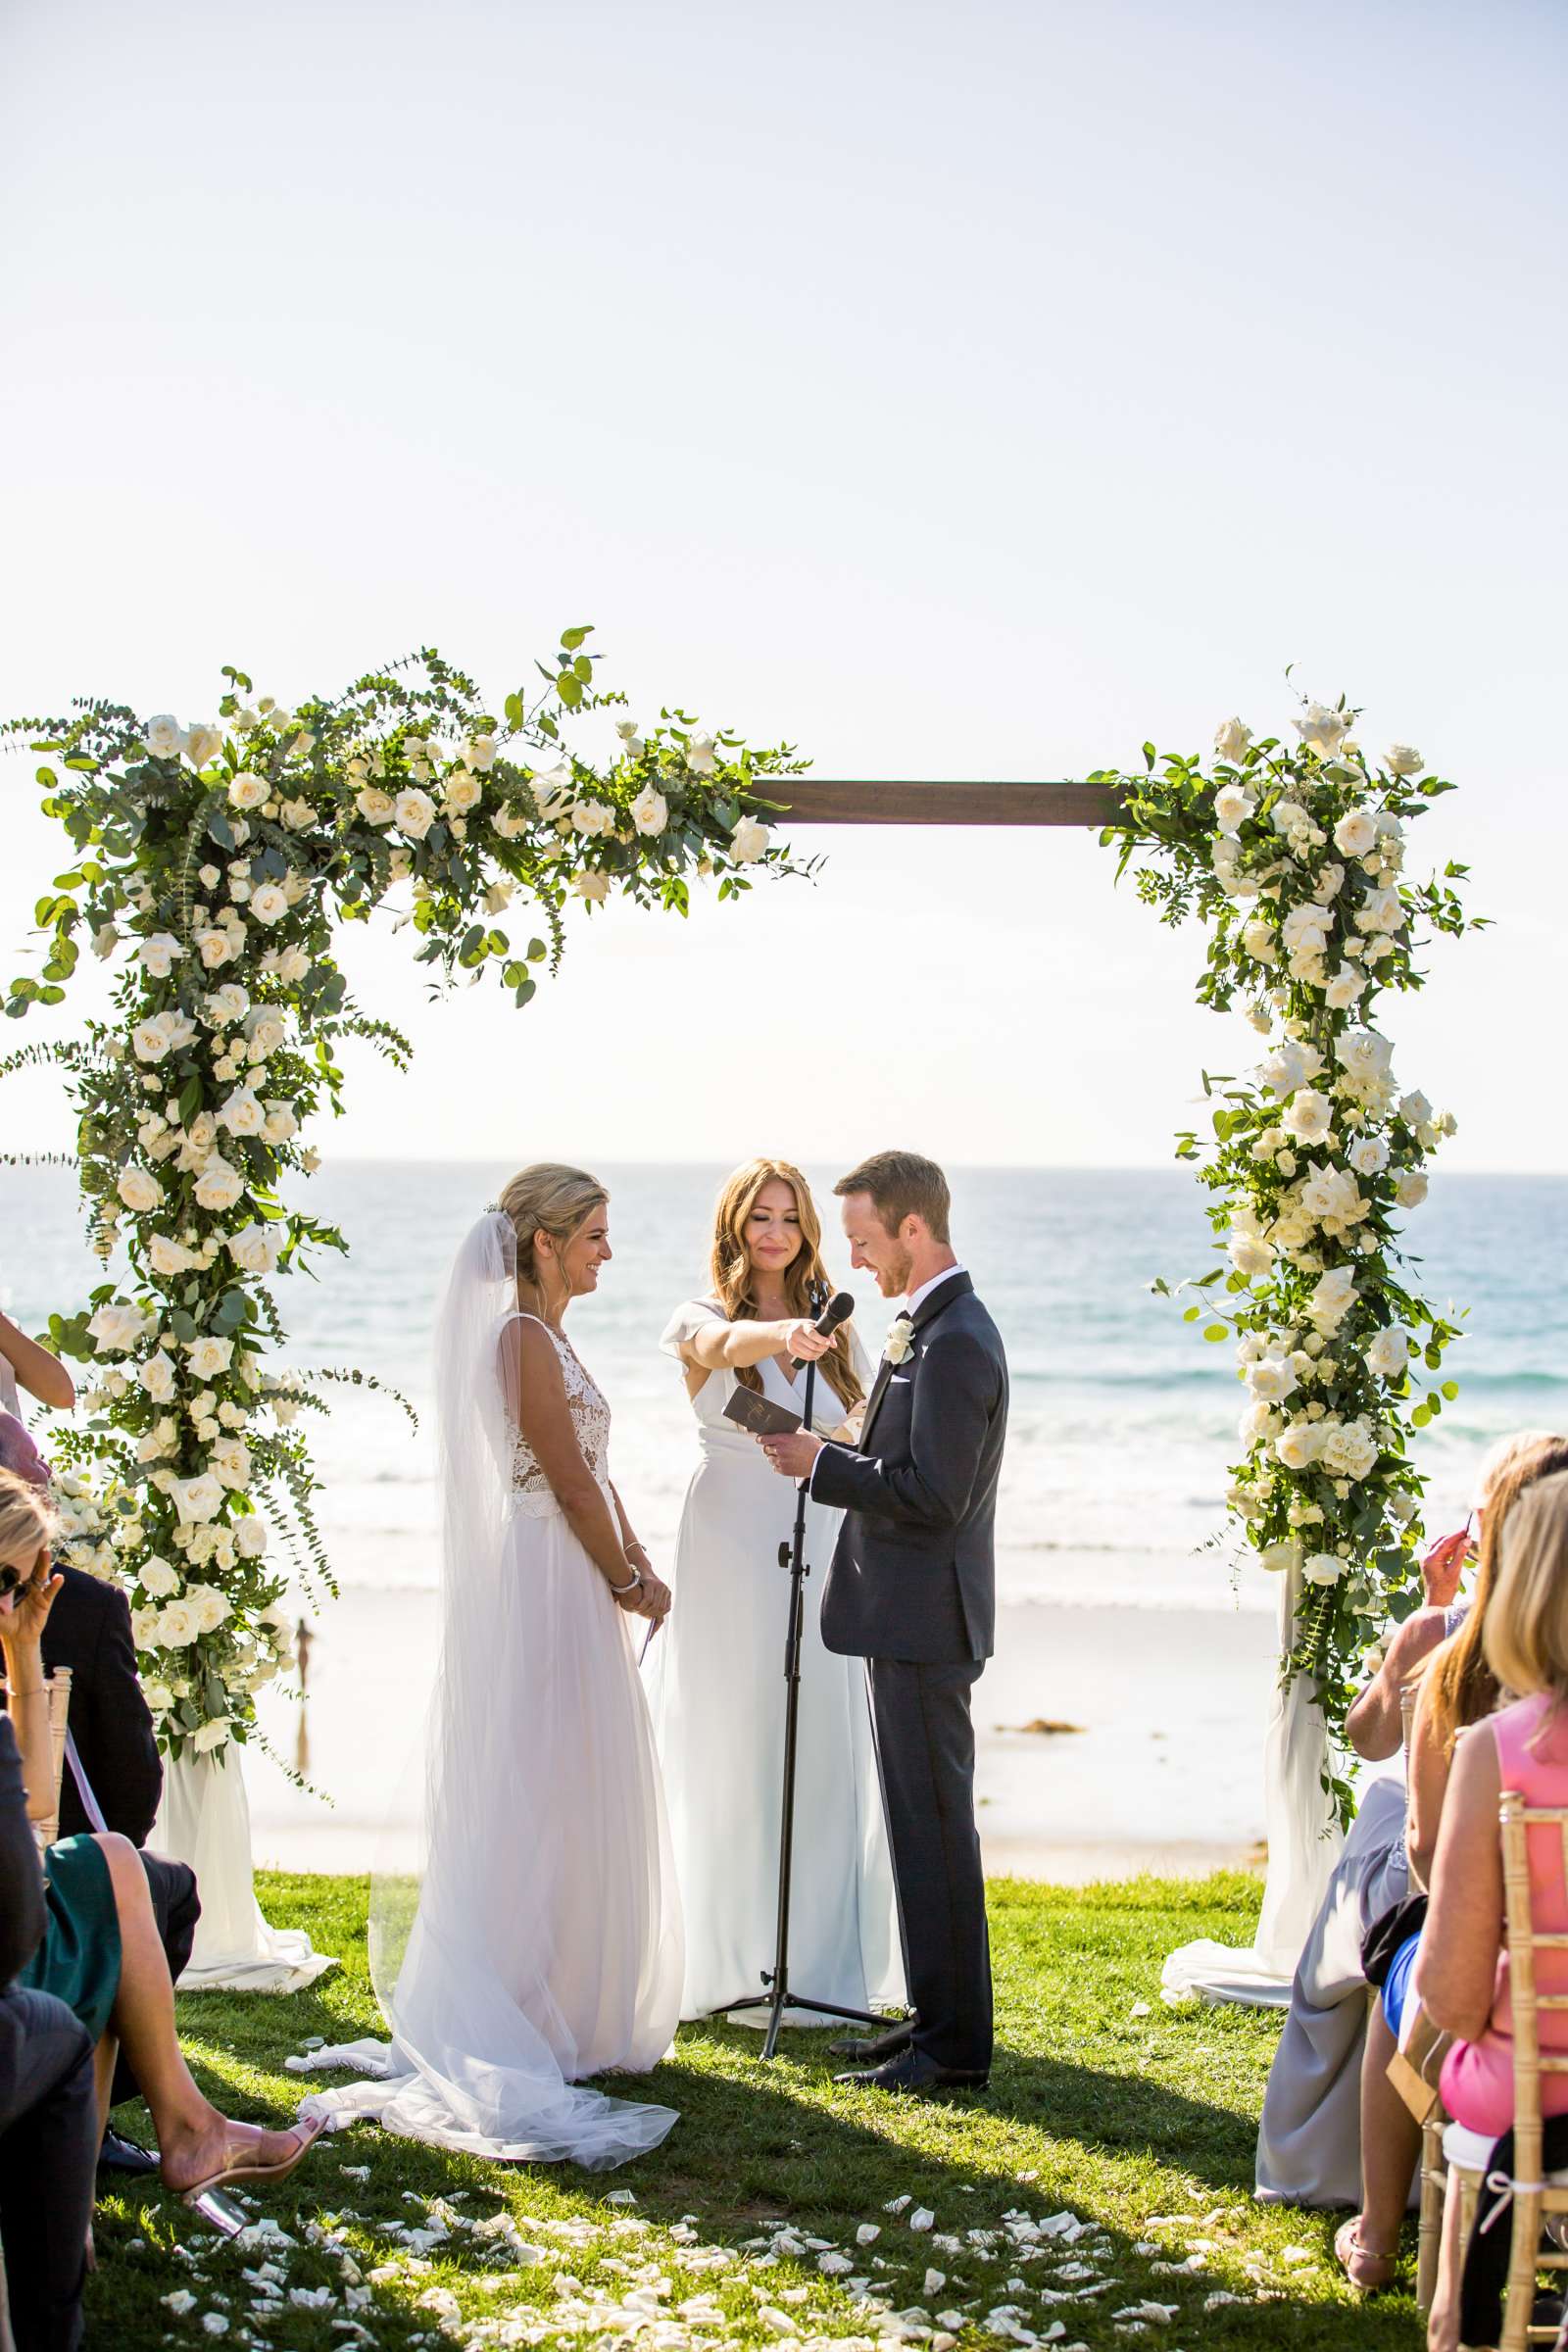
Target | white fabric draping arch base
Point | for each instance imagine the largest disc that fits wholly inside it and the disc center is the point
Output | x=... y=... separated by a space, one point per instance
x=1303 y=1846
x=205 y=1819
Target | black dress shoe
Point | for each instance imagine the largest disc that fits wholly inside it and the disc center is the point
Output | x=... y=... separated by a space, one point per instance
x=885 y=2046
x=121 y=2155
x=911 y=2071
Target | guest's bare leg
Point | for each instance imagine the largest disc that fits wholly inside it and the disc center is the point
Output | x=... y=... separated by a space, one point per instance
x=194 y=2140
x=1391 y=2143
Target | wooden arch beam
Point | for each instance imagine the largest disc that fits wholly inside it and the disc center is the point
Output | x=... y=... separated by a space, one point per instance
x=831 y=800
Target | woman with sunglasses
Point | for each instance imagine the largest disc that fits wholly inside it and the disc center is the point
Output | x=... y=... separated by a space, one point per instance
x=100 y=1953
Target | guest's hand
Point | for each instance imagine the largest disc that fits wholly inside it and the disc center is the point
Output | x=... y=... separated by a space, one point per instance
x=1441 y=1566
x=792 y=1452
x=21 y=1625
x=800 y=1337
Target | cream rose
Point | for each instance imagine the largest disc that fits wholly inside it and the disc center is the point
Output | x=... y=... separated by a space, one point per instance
x=269 y=904
x=1402 y=760
x=209 y=1356
x=1369 y=1155
x=197 y=1500
x=217 y=945
x=414 y=813
x=376 y=806
x=219 y=1186
x=481 y=752
x=242 y=1113
x=139 y=1190
x=701 y=755
x=1381 y=911
x=1231 y=739
x=593 y=886
x=649 y=810
x=1356 y=832
x=1250 y=1254
x=211 y=1735
x=591 y=819
x=1309 y=1115
x=165 y=738
x=1323 y=1568
x=158 y=1578
x=203 y=744
x=226 y=1005
x=246 y=791
x=748 y=840
x=251 y=1535
x=462 y=794
x=1388 y=1356
x=253 y=1248
x=1346 y=988
x=160 y=953
x=1297 y=1445
x=1411 y=1189
x=280 y=1123
x=1279 y=1558
x=114 y=1329
x=150 y=1040
x=1333 y=1296
x=298 y=815
x=157 y=1376
x=1258 y=938
x=1323 y=730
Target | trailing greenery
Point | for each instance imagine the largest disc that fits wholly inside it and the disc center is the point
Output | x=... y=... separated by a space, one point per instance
x=213 y=866
x=1292 y=856
x=1137 y=2121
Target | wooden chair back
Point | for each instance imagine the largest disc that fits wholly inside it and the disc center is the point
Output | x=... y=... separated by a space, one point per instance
x=46 y=1824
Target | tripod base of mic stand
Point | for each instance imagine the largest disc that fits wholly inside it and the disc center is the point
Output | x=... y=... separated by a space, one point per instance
x=781 y=2000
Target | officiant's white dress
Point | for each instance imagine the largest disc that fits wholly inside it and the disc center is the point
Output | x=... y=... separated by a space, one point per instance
x=716 y=1684
x=544 y=1943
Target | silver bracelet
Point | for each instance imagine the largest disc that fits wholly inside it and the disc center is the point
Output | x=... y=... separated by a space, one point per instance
x=618 y=1589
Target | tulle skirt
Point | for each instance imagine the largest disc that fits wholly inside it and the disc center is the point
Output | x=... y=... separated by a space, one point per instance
x=544 y=1943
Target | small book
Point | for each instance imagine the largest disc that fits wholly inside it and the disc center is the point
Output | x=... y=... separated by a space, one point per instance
x=760 y=1414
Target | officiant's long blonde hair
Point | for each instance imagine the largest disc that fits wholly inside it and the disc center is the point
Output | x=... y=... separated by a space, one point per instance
x=732 y=1268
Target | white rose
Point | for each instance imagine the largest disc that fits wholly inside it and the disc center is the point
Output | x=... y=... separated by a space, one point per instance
x=508 y=822
x=242 y=1113
x=649 y=810
x=253 y=1248
x=553 y=788
x=591 y=819
x=1281 y=1558
x=269 y=904
x=1364 y=1059
x=280 y=1123
x=218 y=1185
x=158 y=1578
x=203 y=744
x=1331 y=1297
x=462 y=792
x=1297 y=1445
x=157 y=1376
x=160 y=953
x=1323 y=730
x=213 y=1735
x=159 y=1697
x=1369 y=1155
x=1330 y=1197
x=139 y=1190
x=226 y=1005
x=1307 y=1115
x=1402 y=1506
x=217 y=945
x=1329 y=884
x=592 y=886
x=292 y=965
x=265 y=1028
x=377 y=808
x=197 y=1500
x=1346 y=988
x=251 y=1537
x=150 y=1040
x=209 y=1607
x=1250 y=1256
x=145 y=1627
x=165 y=738
x=1411 y=1189
x=246 y=791
x=414 y=813
x=481 y=752
x=748 y=840
x=1388 y=1356
x=1272 y=1380
x=1231 y=739
x=1402 y=760
x=105 y=940
x=116 y=1328
x=209 y=1356
x=298 y=815
x=1258 y=1422
x=1258 y=938
x=1356 y=832
x=1306 y=928
x=498 y=897
x=1381 y=911
x=1350 y=1451
x=176 y=1625
x=1323 y=1568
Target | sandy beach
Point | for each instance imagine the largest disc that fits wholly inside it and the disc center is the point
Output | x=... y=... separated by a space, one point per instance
x=1161 y=1772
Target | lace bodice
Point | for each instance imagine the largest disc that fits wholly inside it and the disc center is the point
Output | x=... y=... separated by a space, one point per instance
x=531 y=1490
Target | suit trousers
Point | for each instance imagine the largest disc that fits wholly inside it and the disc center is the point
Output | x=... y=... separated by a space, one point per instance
x=925 y=1752
x=48 y=2148
x=176 y=1907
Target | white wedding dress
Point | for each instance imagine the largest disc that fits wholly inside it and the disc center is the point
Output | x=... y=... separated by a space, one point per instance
x=716 y=1684
x=544 y=1943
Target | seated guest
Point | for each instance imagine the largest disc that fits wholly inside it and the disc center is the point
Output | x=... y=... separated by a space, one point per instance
x=48 y=2115
x=1462 y=1973
x=113 y=1760
x=1310 y=2140
x=23 y=1363
x=100 y=1951
x=1458 y=1690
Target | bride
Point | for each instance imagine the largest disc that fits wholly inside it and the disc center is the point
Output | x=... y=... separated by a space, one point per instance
x=544 y=1944
x=716 y=1675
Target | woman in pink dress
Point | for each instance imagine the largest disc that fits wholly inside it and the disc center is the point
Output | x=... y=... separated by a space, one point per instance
x=1462 y=1978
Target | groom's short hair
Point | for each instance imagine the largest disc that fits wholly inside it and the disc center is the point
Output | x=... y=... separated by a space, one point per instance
x=901 y=1184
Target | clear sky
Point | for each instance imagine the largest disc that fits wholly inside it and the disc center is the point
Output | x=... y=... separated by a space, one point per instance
x=955 y=391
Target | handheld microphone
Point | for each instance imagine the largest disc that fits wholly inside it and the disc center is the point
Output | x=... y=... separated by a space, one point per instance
x=837 y=1310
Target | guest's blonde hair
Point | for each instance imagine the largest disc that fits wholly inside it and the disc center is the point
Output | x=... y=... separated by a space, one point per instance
x=550 y=1199
x=26 y=1521
x=733 y=1281
x=1459 y=1686
x=1526 y=1625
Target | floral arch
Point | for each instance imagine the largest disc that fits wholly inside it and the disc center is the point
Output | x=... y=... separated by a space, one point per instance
x=210 y=866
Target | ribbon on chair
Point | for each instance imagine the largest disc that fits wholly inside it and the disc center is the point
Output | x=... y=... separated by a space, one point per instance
x=1486 y=2257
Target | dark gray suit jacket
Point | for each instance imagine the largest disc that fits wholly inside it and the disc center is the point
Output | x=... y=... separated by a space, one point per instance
x=913 y=1572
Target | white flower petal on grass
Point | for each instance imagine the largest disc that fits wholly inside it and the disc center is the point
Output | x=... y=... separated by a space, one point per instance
x=922 y=2218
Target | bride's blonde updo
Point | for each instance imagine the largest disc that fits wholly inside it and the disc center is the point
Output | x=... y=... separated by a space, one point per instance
x=547 y=1199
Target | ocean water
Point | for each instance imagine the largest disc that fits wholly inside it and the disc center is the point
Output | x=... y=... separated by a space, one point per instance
x=1123 y=1419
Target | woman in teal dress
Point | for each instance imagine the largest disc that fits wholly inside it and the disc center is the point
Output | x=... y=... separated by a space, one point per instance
x=101 y=1952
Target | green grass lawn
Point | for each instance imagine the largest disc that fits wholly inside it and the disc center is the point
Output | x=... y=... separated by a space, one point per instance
x=1115 y=2117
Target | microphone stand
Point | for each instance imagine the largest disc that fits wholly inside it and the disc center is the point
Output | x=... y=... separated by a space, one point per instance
x=792 y=1555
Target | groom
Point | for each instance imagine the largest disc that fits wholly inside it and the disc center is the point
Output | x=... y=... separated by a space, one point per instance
x=912 y=1589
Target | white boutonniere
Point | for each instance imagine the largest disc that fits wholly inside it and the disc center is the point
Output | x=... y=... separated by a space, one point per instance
x=900 y=1343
